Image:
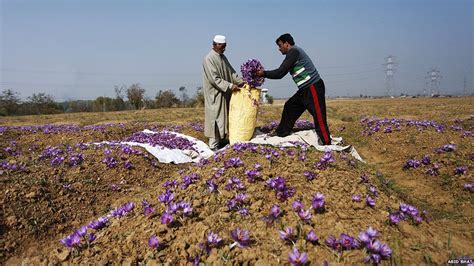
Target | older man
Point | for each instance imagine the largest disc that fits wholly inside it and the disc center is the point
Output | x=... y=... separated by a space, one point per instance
x=219 y=80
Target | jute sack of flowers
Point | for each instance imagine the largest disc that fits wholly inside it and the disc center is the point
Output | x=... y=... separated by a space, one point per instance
x=243 y=113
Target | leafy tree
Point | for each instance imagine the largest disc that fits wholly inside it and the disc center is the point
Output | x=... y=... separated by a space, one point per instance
x=42 y=103
x=166 y=99
x=135 y=95
x=9 y=102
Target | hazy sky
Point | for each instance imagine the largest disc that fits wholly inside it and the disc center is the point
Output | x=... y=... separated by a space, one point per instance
x=82 y=49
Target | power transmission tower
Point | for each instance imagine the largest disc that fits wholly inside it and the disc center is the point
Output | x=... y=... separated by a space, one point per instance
x=434 y=78
x=390 y=69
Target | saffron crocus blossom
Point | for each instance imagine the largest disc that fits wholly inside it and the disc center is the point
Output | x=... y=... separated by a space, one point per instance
x=99 y=223
x=312 y=237
x=346 y=241
x=91 y=238
x=373 y=190
x=166 y=197
x=356 y=198
x=153 y=242
x=469 y=186
x=297 y=205
x=370 y=201
x=252 y=175
x=433 y=171
x=213 y=239
x=333 y=243
x=241 y=237
x=288 y=234
x=128 y=165
x=411 y=164
x=318 y=201
x=460 y=170
x=71 y=241
x=82 y=231
x=211 y=186
x=297 y=258
x=275 y=211
x=166 y=218
x=364 y=178
x=305 y=215
x=310 y=175
x=426 y=160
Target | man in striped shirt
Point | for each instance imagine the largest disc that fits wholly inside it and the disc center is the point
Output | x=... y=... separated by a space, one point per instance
x=310 y=95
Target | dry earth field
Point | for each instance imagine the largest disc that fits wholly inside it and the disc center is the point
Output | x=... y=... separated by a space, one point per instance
x=45 y=201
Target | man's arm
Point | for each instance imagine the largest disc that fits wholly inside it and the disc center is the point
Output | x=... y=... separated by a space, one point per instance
x=285 y=66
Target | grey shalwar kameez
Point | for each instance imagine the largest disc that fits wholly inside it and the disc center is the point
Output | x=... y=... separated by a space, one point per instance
x=218 y=79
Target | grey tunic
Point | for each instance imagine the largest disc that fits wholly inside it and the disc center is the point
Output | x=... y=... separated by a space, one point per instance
x=218 y=78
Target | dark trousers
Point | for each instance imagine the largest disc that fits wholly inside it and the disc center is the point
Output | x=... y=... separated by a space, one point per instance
x=311 y=99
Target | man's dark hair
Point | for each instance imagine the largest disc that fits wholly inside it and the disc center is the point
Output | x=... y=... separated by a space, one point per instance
x=286 y=38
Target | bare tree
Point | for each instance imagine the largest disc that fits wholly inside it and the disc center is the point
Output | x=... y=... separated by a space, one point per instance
x=135 y=95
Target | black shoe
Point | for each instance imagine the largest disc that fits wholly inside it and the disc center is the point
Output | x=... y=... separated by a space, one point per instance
x=276 y=134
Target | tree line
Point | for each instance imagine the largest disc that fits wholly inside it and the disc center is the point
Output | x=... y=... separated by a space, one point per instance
x=126 y=98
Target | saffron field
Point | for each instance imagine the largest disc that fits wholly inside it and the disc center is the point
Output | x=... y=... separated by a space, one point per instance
x=67 y=200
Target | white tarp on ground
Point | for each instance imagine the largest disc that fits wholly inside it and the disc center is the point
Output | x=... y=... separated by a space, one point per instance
x=306 y=136
x=177 y=156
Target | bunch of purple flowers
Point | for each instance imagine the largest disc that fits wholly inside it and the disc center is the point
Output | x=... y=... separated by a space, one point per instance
x=325 y=160
x=283 y=192
x=345 y=242
x=406 y=211
x=249 y=73
x=376 y=250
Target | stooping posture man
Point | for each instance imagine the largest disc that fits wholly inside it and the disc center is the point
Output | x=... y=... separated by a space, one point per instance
x=219 y=80
x=310 y=95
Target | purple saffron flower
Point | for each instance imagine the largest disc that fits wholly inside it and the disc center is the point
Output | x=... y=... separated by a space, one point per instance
x=275 y=211
x=82 y=231
x=99 y=223
x=385 y=251
x=287 y=234
x=153 y=242
x=213 y=239
x=258 y=167
x=333 y=243
x=91 y=238
x=370 y=201
x=373 y=190
x=166 y=218
x=312 y=237
x=426 y=160
x=396 y=217
x=469 y=186
x=460 y=170
x=71 y=240
x=356 y=198
x=318 y=201
x=297 y=258
x=241 y=237
x=128 y=165
x=166 y=197
x=305 y=215
x=373 y=258
x=310 y=175
x=211 y=186
x=346 y=241
x=364 y=178
x=297 y=205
